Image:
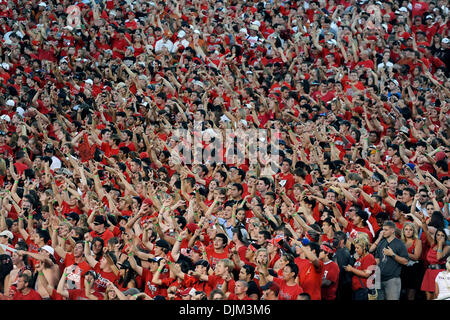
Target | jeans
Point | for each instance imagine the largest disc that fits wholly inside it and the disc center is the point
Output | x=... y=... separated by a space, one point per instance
x=390 y=289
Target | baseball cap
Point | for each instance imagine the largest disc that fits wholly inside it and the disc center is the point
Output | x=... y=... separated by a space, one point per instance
x=163 y=244
x=100 y=220
x=48 y=249
x=445 y=40
x=362 y=214
x=131 y=292
x=5 y=117
x=202 y=262
x=10 y=103
x=7 y=233
x=271 y=286
x=74 y=216
x=155 y=259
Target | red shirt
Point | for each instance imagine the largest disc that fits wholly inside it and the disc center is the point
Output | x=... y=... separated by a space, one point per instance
x=79 y=294
x=192 y=282
x=106 y=235
x=214 y=257
x=100 y=283
x=150 y=288
x=32 y=295
x=363 y=263
x=235 y=297
x=331 y=273
x=216 y=282
x=310 y=278
x=287 y=292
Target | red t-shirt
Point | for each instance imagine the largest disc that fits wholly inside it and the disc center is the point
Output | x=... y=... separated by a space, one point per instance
x=79 y=294
x=100 y=283
x=32 y=295
x=362 y=264
x=310 y=278
x=106 y=235
x=214 y=257
x=216 y=282
x=287 y=292
x=331 y=273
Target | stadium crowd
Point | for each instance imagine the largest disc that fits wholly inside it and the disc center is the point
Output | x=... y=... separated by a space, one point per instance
x=99 y=202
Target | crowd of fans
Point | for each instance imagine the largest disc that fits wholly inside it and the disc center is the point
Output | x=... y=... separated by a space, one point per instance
x=98 y=204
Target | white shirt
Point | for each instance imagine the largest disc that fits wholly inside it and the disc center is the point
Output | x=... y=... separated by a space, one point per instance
x=56 y=163
x=443 y=282
x=163 y=43
x=183 y=42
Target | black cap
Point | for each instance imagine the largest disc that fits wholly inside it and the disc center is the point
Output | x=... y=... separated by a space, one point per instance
x=74 y=216
x=163 y=244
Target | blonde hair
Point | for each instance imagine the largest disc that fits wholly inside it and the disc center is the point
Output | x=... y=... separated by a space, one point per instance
x=413 y=226
x=228 y=263
x=362 y=239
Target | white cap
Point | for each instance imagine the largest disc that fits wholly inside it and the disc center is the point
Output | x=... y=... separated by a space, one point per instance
x=7 y=233
x=5 y=117
x=5 y=66
x=48 y=249
x=199 y=83
x=244 y=30
x=70 y=28
x=42 y=4
x=429 y=17
x=89 y=81
x=10 y=103
x=244 y=122
x=403 y=9
x=332 y=41
x=257 y=23
x=181 y=34
x=196 y=31
x=20 y=111
x=445 y=40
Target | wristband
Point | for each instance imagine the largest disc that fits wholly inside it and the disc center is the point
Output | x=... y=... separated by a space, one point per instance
x=65 y=274
x=41 y=273
x=159 y=270
x=130 y=254
x=179 y=239
x=169 y=263
x=20 y=218
x=65 y=239
x=30 y=217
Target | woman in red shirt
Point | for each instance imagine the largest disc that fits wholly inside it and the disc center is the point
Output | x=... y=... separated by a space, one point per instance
x=362 y=269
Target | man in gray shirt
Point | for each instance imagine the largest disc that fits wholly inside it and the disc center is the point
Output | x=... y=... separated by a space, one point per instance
x=390 y=254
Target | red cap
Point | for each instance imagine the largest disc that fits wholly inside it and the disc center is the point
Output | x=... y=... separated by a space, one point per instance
x=143 y=155
x=192 y=227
